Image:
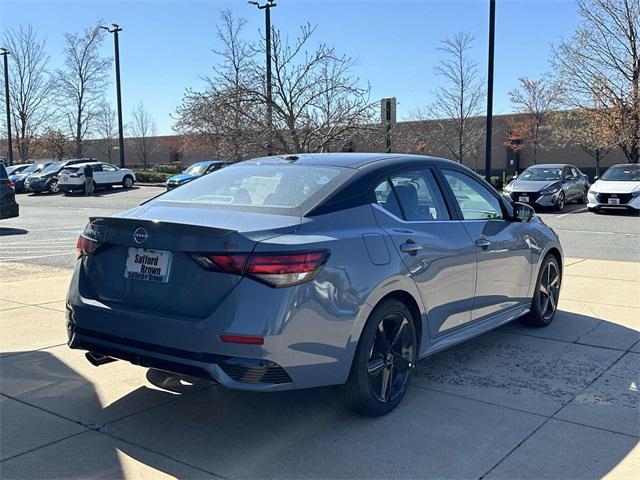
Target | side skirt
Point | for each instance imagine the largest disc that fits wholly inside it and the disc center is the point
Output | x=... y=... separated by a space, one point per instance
x=474 y=330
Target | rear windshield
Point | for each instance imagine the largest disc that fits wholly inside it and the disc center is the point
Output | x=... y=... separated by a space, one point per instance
x=285 y=189
x=32 y=168
x=628 y=173
x=69 y=170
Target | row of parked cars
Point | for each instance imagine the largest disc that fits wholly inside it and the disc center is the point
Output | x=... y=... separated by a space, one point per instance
x=554 y=185
x=68 y=175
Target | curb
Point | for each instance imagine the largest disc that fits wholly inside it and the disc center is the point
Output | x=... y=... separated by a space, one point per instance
x=140 y=184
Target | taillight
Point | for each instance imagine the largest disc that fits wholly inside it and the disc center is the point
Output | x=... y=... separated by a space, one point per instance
x=274 y=269
x=86 y=246
x=10 y=184
x=244 y=339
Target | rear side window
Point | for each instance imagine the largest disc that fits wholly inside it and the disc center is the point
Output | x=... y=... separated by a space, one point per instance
x=412 y=196
x=475 y=201
x=69 y=170
x=251 y=186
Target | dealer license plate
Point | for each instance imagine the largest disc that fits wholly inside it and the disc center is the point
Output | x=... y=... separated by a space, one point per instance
x=523 y=198
x=614 y=201
x=148 y=265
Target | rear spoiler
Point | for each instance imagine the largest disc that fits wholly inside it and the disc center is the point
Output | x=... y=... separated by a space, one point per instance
x=152 y=226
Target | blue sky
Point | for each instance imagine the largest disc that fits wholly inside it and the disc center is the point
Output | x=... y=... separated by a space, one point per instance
x=167 y=45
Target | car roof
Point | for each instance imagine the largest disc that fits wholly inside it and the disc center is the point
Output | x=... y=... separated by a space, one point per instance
x=84 y=164
x=345 y=160
x=551 y=165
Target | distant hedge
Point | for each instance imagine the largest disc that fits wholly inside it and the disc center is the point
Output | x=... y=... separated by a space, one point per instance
x=148 y=176
x=172 y=168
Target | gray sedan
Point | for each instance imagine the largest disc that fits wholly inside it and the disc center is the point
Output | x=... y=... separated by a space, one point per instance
x=308 y=270
x=549 y=185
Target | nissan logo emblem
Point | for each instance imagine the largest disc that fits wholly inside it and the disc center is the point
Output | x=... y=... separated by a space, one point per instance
x=140 y=235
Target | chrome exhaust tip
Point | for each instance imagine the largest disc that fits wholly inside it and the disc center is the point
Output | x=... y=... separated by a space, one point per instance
x=96 y=359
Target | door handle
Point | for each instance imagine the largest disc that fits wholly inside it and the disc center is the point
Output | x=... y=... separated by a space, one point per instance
x=483 y=243
x=410 y=247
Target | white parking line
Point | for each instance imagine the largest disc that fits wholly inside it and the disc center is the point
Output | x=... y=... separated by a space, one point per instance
x=569 y=213
x=50 y=240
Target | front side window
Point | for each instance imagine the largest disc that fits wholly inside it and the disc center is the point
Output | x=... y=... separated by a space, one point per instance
x=475 y=201
x=108 y=168
x=412 y=196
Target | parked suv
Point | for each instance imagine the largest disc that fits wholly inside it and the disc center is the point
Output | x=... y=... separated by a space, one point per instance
x=71 y=178
x=8 y=206
x=549 y=185
x=47 y=179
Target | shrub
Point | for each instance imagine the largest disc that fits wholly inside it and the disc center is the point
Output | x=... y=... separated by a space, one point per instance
x=171 y=168
x=147 y=176
x=497 y=182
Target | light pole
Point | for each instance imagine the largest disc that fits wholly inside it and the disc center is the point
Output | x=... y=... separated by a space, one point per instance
x=489 y=132
x=115 y=28
x=267 y=21
x=5 y=53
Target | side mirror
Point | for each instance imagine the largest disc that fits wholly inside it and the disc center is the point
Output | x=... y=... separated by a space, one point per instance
x=596 y=178
x=523 y=212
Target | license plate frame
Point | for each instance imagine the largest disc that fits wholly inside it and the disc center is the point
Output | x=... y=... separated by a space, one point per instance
x=148 y=265
x=613 y=201
x=523 y=198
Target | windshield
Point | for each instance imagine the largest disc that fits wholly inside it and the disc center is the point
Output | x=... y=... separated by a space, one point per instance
x=53 y=167
x=541 y=173
x=627 y=173
x=31 y=168
x=196 y=169
x=286 y=186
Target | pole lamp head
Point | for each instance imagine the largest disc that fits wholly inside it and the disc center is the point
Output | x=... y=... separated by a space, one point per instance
x=4 y=52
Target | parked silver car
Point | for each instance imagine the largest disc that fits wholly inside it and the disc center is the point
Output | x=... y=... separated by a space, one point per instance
x=308 y=270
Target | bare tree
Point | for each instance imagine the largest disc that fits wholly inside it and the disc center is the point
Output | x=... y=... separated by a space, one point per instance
x=600 y=69
x=106 y=129
x=53 y=143
x=143 y=129
x=82 y=82
x=30 y=87
x=458 y=102
x=317 y=103
x=534 y=101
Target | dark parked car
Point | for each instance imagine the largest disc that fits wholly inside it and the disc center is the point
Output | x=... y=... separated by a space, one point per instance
x=47 y=179
x=307 y=270
x=16 y=169
x=8 y=206
x=19 y=178
x=196 y=170
x=549 y=185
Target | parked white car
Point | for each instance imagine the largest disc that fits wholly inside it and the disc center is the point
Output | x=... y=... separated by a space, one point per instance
x=617 y=189
x=104 y=175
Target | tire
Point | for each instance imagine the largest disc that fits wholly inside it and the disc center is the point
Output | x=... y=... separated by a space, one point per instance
x=127 y=181
x=544 y=306
x=378 y=381
x=53 y=187
x=560 y=202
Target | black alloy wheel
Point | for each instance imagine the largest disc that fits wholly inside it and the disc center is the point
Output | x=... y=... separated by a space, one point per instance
x=545 y=300
x=383 y=362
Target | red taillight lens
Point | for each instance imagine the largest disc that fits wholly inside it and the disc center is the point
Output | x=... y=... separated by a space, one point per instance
x=10 y=184
x=86 y=246
x=275 y=269
x=247 y=340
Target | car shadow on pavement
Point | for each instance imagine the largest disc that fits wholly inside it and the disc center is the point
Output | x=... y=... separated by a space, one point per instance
x=483 y=398
x=12 y=231
x=101 y=192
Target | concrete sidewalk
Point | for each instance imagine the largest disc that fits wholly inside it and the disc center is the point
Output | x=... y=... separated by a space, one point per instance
x=560 y=402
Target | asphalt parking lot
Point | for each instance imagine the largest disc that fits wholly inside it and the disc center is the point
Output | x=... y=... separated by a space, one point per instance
x=560 y=402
